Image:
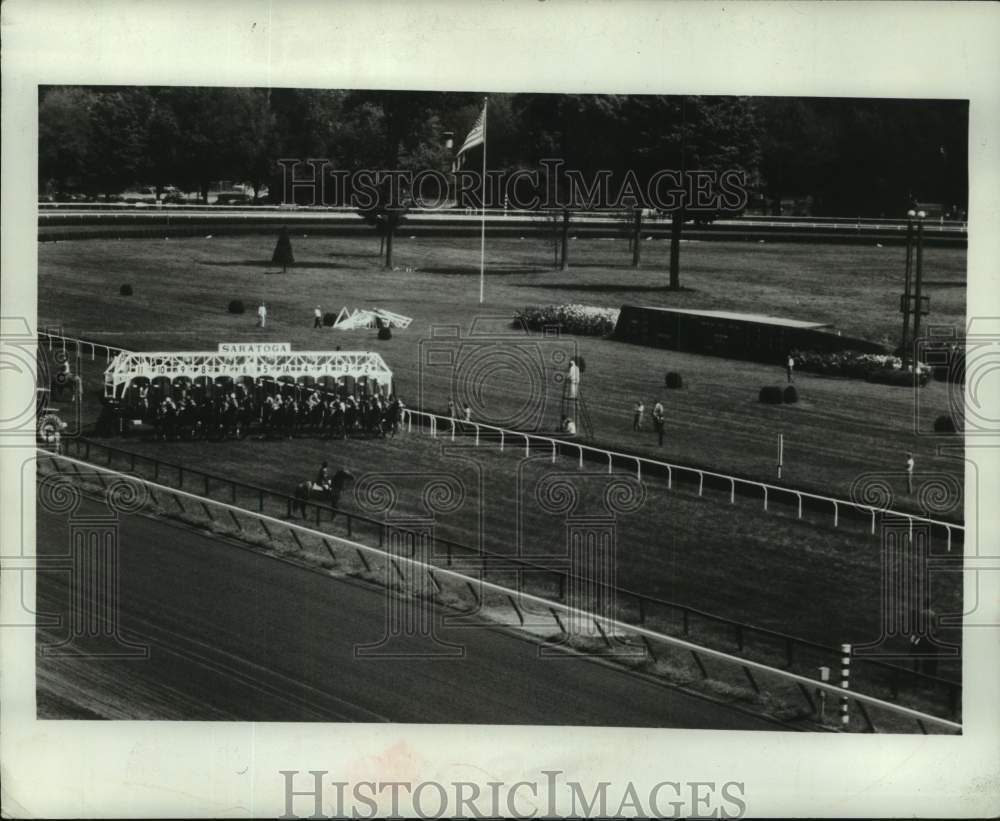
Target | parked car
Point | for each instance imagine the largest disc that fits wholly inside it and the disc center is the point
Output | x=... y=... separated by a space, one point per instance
x=233 y=198
x=141 y=196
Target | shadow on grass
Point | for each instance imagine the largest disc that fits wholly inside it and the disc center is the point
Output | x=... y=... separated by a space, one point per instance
x=266 y=263
x=607 y=287
x=464 y=270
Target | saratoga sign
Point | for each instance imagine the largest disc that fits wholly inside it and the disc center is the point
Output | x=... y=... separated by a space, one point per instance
x=255 y=347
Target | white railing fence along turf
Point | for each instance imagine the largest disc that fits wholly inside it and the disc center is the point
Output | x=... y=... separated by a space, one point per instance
x=559 y=614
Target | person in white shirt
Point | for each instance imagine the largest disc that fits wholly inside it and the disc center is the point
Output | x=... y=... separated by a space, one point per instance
x=909 y=472
x=638 y=412
x=317 y=317
x=574 y=379
x=790 y=368
x=569 y=427
x=262 y=315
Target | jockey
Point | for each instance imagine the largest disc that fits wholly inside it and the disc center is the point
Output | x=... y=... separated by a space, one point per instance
x=323 y=476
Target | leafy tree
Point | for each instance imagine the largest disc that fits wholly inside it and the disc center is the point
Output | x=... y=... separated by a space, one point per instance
x=283 y=255
x=163 y=140
x=118 y=138
x=64 y=136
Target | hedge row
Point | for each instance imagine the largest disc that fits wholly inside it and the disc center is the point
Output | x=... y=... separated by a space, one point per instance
x=583 y=320
x=883 y=368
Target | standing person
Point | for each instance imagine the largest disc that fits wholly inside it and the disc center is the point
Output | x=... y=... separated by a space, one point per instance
x=451 y=409
x=262 y=315
x=909 y=472
x=658 y=420
x=789 y=368
x=638 y=412
x=574 y=379
x=317 y=317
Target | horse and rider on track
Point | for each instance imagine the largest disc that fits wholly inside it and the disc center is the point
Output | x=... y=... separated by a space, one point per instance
x=324 y=488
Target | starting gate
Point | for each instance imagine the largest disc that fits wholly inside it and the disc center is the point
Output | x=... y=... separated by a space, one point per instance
x=258 y=362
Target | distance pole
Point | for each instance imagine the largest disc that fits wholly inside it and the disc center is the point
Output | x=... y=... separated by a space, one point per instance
x=918 y=307
x=824 y=676
x=845 y=683
x=781 y=452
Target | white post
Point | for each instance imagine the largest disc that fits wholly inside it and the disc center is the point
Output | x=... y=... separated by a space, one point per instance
x=824 y=676
x=845 y=683
x=781 y=452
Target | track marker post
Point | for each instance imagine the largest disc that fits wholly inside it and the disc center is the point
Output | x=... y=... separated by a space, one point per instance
x=781 y=452
x=824 y=676
x=845 y=684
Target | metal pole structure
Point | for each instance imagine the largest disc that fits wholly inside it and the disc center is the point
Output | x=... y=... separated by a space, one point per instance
x=906 y=286
x=781 y=452
x=918 y=307
x=636 y=234
x=845 y=683
x=824 y=676
x=564 y=264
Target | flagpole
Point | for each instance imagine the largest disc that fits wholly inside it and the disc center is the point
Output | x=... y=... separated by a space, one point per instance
x=482 y=232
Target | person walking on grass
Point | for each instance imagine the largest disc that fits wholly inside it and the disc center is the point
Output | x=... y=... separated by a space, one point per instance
x=317 y=317
x=910 y=464
x=262 y=315
x=790 y=368
x=658 y=421
x=638 y=412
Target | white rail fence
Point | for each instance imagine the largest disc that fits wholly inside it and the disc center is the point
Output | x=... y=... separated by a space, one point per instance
x=444 y=425
x=560 y=614
x=447 y=426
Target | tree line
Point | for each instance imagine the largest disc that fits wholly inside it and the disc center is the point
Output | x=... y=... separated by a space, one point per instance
x=846 y=157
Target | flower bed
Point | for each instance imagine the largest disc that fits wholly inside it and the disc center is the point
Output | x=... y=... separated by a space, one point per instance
x=884 y=368
x=584 y=320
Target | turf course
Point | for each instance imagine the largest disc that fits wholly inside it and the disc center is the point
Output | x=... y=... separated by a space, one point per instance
x=802 y=578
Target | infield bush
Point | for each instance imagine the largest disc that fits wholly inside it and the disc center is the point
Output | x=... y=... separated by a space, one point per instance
x=771 y=395
x=945 y=424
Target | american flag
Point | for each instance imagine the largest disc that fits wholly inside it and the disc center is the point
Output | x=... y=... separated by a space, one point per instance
x=477 y=136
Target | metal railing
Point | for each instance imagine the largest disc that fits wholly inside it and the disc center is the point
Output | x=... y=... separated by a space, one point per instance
x=559 y=614
x=633 y=607
x=54 y=341
x=553 y=447
x=744 y=637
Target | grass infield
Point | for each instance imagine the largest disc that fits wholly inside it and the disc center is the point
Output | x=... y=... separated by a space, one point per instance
x=803 y=578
